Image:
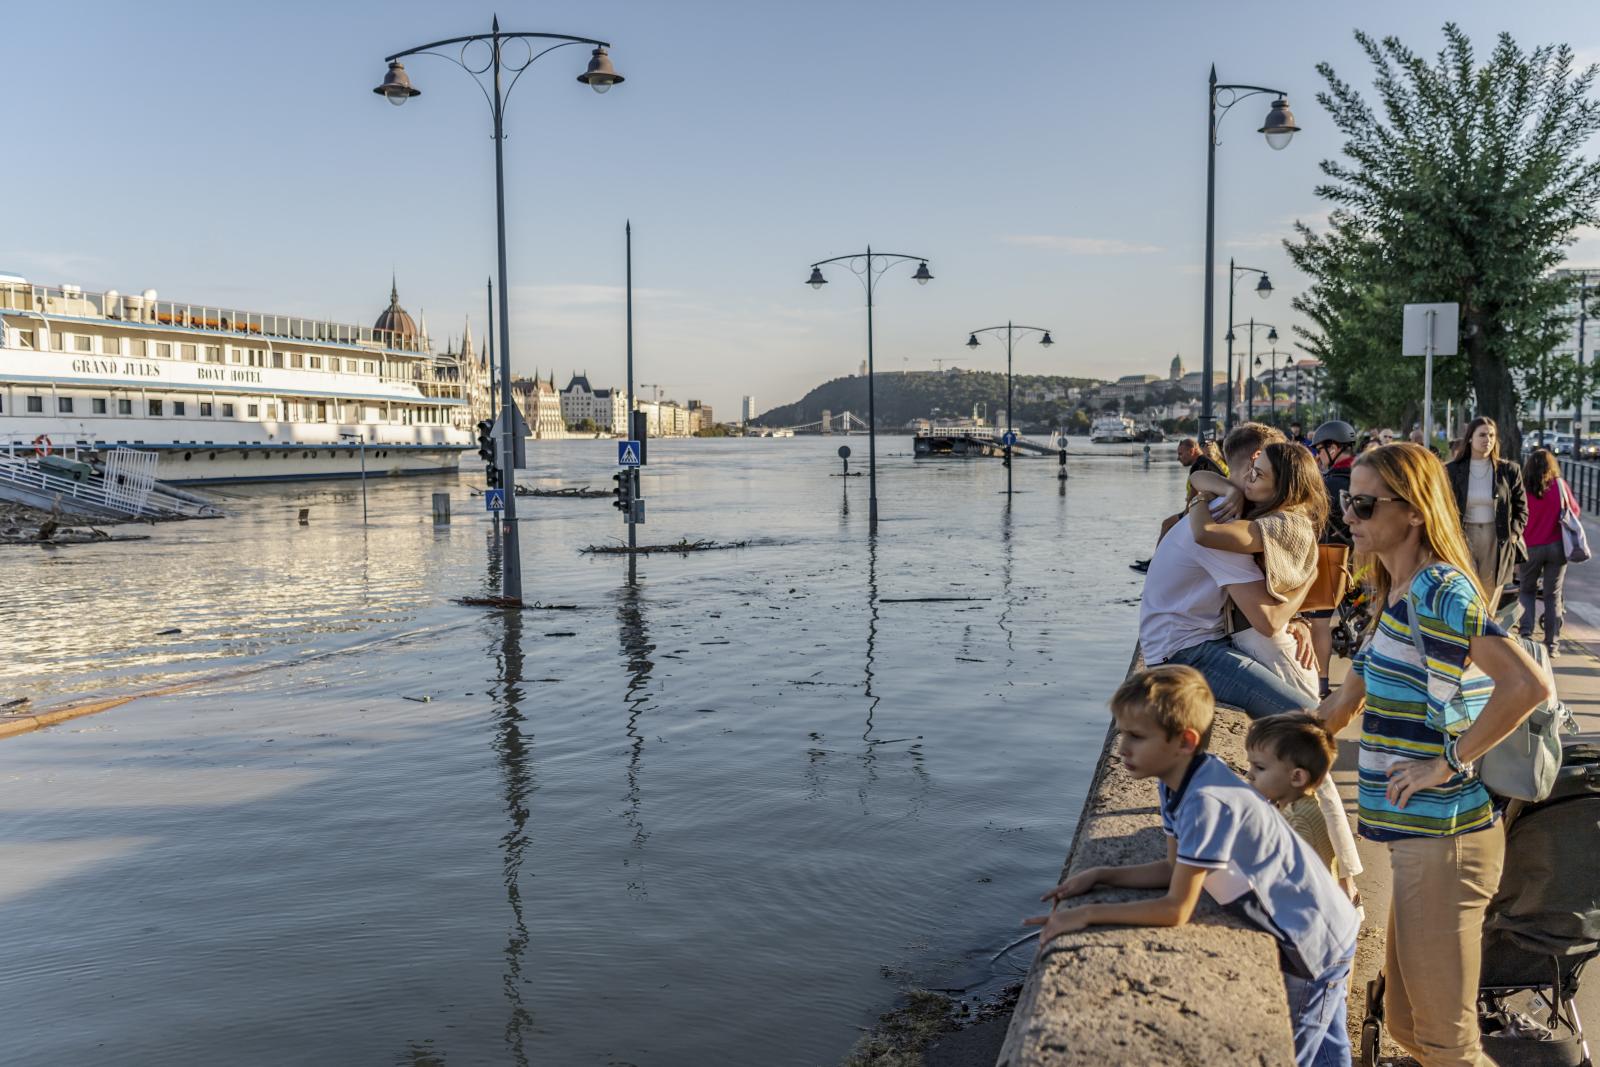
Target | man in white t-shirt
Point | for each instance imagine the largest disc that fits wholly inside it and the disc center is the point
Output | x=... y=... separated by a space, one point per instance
x=1183 y=612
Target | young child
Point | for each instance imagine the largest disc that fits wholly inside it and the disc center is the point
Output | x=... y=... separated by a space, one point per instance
x=1222 y=836
x=1288 y=757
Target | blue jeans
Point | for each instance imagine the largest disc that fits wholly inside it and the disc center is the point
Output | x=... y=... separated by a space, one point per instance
x=1239 y=681
x=1317 y=1015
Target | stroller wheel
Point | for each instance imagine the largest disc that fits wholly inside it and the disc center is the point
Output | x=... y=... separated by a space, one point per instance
x=1371 y=1038
x=1375 y=998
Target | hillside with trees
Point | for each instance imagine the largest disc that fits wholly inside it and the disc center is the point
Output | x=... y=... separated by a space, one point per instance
x=903 y=396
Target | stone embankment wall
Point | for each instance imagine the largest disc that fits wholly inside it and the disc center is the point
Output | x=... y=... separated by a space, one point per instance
x=1206 y=993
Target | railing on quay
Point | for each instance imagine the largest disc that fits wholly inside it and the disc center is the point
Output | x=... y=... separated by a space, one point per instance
x=1585 y=481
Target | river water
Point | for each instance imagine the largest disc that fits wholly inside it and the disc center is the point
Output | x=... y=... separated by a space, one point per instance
x=723 y=815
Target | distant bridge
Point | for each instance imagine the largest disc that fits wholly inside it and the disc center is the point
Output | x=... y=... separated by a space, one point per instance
x=843 y=423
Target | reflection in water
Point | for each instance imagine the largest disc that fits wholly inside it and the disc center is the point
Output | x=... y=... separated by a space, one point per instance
x=636 y=650
x=516 y=775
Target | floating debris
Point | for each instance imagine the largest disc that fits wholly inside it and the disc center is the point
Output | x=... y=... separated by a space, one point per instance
x=682 y=546
x=925 y=599
x=509 y=602
x=169 y=632
x=419 y=700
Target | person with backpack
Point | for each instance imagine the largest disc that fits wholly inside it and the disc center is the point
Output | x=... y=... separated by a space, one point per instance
x=1333 y=445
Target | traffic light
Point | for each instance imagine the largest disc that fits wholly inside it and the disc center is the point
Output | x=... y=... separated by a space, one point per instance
x=1007 y=456
x=622 y=495
x=488 y=452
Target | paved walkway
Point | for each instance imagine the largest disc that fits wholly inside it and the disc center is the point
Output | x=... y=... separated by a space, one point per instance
x=1578 y=681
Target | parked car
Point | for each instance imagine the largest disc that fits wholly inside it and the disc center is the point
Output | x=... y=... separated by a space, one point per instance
x=1558 y=443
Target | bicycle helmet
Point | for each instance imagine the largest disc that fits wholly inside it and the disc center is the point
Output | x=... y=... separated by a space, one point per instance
x=1334 y=432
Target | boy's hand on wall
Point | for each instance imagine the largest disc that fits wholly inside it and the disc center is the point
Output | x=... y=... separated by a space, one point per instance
x=1075 y=886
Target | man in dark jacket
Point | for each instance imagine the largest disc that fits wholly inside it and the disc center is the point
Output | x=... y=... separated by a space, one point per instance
x=1334 y=445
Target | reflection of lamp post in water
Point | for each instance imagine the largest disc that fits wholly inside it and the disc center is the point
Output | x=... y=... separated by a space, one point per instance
x=514 y=753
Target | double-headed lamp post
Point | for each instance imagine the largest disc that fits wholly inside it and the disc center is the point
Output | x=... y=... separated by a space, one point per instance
x=869 y=267
x=1010 y=329
x=1279 y=129
x=1272 y=390
x=397 y=89
x=1263 y=290
x=1250 y=359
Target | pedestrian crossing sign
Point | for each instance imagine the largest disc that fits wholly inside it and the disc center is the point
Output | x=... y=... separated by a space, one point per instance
x=627 y=453
x=494 y=499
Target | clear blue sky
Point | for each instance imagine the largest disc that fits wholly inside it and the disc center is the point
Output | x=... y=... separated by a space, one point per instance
x=1048 y=158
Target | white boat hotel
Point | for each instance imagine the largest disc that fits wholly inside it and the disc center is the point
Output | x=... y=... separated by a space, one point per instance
x=224 y=395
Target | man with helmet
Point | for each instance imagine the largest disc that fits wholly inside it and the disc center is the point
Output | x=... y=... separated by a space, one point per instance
x=1334 y=445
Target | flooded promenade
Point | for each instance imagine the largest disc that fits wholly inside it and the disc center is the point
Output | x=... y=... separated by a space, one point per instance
x=722 y=816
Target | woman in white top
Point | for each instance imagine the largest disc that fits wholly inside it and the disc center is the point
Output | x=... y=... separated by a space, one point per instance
x=1493 y=505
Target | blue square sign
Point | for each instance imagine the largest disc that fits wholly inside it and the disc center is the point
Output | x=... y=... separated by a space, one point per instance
x=627 y=453
x=494 y=499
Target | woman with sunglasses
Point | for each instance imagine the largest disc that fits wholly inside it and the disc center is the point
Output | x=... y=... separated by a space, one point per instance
x=1492 y=502
x=1418 y=790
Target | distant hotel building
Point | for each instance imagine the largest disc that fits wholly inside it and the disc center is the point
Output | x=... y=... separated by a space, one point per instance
x=747 y=409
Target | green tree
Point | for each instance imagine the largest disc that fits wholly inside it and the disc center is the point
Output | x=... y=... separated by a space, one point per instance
x=1466 y=185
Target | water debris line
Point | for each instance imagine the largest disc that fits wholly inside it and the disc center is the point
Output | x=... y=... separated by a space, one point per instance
x=681 y=547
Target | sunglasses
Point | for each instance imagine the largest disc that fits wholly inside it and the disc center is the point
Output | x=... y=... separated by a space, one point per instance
x=1362 y=505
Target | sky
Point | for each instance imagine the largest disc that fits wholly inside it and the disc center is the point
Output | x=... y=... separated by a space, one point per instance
x=1048 y=158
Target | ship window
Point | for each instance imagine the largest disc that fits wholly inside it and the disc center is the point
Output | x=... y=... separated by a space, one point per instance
x=213 y=353
x=205 y=408
x=227 y=411
x=111 y=346
x=124 y=407
x=277 y=360
x=163 y=350
x=296 y=360
x=138 y=348
x=64 y=404
x=178 y=407
x=155 y=407
x=82 y=342
x=36 y=405
x=272 y=411
x=252 y=410
x=314 y=362
x=333 y=364
x=369 y=367
x=98 y=405
x=58 y=340
x=187 y=352
x=25 y=339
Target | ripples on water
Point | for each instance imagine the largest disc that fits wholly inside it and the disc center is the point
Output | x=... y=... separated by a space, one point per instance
x=723 y=821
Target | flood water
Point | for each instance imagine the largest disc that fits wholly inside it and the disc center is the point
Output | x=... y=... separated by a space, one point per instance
x=723 y=815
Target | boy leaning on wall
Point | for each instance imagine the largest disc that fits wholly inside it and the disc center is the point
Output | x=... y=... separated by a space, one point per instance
x=1223 y=837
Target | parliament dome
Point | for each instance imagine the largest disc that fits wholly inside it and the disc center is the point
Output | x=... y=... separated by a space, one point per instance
x=395 y=319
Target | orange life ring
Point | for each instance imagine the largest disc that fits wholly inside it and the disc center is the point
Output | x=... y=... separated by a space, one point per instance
x=41 y=445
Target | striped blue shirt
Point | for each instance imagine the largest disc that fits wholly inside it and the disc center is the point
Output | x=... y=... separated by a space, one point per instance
x=1402 y=697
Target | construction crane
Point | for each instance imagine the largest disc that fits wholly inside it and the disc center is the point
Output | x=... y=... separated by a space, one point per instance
x=657 y=388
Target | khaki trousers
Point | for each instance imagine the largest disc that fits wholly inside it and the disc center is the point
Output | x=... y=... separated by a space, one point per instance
x=1485 y=547
x=1434 y=943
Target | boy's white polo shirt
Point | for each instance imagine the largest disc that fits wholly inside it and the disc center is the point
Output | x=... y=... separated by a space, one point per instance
x=1259 y=867
x=1184 y=593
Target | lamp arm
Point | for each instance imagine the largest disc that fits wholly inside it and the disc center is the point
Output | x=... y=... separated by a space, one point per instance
x=497 y=36
x=1236 y=93
x=1014 y=330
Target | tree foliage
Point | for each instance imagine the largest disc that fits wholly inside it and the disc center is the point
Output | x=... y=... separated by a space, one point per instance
x=1466 y=184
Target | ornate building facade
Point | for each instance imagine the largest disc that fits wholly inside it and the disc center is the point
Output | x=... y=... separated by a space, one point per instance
x=541 y=407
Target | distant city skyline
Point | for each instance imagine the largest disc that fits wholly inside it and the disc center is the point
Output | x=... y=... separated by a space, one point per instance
x=998 y=146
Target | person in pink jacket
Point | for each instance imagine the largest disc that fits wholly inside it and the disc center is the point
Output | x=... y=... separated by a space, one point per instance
x=1547 y=554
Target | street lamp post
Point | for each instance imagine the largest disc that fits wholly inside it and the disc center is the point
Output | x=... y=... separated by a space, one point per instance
x=869 y=267
x=397 y=89
x=1263 y=290
x=1279 y=129
x=1250 y=392
x=1272 y=389
x=1011 y=329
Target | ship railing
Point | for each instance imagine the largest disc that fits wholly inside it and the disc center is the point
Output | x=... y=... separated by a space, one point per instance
x=134 y=307
x=151 y=501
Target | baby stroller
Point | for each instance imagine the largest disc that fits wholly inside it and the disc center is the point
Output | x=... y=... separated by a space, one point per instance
x=1351 y=620
x=1540 y=929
